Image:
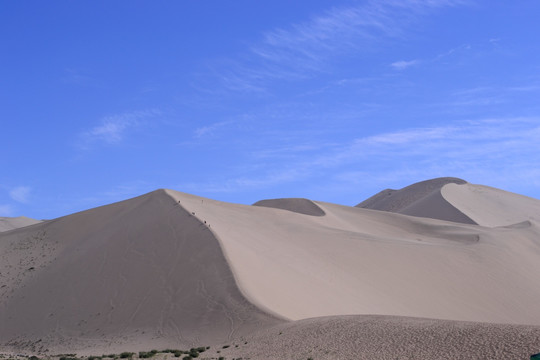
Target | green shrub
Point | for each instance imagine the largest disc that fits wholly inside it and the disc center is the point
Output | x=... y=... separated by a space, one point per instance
x=126 y=355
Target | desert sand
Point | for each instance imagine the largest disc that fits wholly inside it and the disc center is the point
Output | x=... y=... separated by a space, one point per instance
x=439 y=267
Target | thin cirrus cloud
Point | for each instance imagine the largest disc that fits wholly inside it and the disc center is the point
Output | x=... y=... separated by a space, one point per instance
x=402 y=64
x=5 y=210
x=471 y=149
x=113 y=129
x=305 y=49
x=20 y=194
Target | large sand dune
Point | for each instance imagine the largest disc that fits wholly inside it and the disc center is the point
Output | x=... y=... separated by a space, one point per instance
x=140 y=271
x=173 y=268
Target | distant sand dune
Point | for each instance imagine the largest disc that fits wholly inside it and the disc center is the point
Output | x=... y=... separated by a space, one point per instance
x=10 y=223
x=491 y=207
x=422 y=199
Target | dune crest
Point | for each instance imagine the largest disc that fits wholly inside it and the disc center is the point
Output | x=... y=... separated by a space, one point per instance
x=421 y=199
x=491 y=207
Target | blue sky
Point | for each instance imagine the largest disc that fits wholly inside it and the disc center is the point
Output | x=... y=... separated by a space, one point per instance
x=245 y=100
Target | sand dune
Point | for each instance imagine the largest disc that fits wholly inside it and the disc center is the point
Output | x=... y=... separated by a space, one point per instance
x=10 y=223
x=359 y=261
x=142 y=271
x=170 y=269
x=422 y=199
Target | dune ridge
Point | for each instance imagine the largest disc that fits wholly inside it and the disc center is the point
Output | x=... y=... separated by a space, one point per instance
x=170 y=269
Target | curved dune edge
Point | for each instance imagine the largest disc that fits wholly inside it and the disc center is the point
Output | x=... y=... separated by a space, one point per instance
x=492 y=207
x=359 y=261
x=297 y=205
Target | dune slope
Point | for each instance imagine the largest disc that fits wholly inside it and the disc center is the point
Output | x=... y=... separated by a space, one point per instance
x=492 y=207
x=360 y=261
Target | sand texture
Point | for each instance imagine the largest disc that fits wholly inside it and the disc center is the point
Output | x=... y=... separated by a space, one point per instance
x=385 y=337
x=170 y=269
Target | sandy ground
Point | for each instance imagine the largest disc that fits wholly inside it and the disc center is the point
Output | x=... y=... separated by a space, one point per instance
x=169 y=269
x=386 y=337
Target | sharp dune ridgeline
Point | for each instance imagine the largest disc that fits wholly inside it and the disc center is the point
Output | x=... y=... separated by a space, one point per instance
x=438 y=268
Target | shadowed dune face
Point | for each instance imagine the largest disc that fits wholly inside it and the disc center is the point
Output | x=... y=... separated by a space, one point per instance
x=421 y=199
x=143 y=268
x=297 y=205
x=10 y=223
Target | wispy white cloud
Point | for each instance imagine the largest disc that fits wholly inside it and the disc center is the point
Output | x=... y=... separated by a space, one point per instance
x=209 y=130
x=499 y=152
x=305 y=49
x=20 y=194
x=402 y=64
x=6 y=210
x=112 y=129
